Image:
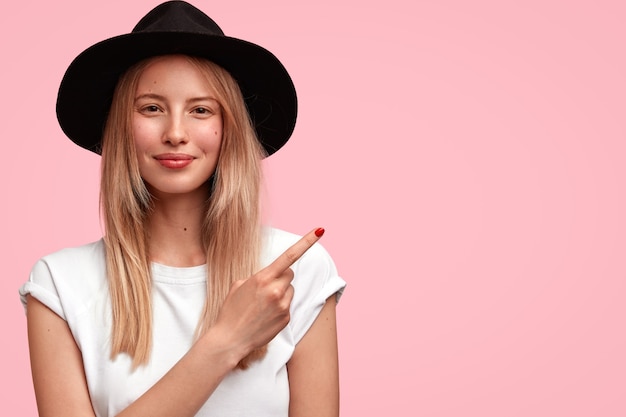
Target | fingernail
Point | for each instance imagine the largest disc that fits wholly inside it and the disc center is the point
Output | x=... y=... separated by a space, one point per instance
x=319 y=232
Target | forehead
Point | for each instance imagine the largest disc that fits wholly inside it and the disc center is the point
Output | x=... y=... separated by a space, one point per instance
x=174 y=74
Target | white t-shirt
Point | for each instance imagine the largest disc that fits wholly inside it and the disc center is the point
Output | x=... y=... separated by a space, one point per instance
x=72 y=283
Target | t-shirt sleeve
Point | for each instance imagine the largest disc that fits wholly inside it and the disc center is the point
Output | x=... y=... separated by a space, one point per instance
x=315 y=279
x=40 y=285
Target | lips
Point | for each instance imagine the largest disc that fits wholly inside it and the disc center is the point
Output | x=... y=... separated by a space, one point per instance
x=174 y=160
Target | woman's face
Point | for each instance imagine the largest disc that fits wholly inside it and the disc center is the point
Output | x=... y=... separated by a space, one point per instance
x=177 y=127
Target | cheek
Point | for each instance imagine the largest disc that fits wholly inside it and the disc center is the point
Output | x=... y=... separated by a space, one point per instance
x=211 y=137
x=141 y=135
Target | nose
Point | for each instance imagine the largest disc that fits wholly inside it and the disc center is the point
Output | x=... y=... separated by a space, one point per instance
x=175 y=134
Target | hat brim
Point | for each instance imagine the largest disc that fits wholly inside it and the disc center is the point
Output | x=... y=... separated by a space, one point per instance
x=86 y=91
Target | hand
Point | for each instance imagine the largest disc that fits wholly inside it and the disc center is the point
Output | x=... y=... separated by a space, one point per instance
x=257 y=309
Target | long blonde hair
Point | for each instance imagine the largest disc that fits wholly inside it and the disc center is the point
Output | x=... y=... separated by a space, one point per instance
x=231 y=228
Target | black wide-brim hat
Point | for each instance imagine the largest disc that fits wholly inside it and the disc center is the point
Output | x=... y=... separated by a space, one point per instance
x=176 y=27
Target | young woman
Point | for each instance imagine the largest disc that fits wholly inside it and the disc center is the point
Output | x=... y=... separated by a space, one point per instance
x=187 y=306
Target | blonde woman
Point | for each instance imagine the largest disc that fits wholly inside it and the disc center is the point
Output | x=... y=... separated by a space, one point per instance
x=187 y=306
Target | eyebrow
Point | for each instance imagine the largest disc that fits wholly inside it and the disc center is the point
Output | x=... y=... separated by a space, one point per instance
x=152 y=96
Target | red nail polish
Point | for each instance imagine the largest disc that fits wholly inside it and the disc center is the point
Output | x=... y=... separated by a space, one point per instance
x=319 y=232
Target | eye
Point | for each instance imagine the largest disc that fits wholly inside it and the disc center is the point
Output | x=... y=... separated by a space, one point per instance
x=202 y=110
x=149 y=109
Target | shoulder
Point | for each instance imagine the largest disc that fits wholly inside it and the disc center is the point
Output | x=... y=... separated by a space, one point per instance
x=87 y=250
x=72 y=271
x=71 y=260
x=67 y=278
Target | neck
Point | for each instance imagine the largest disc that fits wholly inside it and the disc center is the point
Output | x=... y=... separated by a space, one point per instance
x=175 y=230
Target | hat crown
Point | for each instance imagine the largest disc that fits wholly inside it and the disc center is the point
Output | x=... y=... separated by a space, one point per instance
x=177 y=16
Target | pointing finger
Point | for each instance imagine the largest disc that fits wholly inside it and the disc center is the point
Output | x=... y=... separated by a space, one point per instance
x=291 y=255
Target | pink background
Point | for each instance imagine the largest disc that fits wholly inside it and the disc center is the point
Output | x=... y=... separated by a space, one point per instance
x=465 y=157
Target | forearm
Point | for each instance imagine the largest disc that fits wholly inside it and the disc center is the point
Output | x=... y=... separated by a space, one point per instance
x=188 y=385
x=61 y=386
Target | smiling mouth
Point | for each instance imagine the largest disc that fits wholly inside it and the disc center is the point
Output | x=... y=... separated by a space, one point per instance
x=174 y=160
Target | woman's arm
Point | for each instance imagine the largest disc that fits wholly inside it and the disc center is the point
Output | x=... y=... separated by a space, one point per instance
x=253 y=313
x=56 y=364
x=313 y=369
x=61 y=386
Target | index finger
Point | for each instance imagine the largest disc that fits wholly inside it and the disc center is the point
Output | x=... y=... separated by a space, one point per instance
x=291 y=255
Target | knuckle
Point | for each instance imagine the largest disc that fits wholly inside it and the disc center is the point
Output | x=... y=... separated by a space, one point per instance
x=284 y=306
x=275 y=294
x=291 y=255
x=310 y=240
x=285 y=302
x=289 y=273
x=290 y=292
x=285 y=318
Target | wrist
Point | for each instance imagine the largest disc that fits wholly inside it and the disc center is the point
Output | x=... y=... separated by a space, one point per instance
x=218 y=343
